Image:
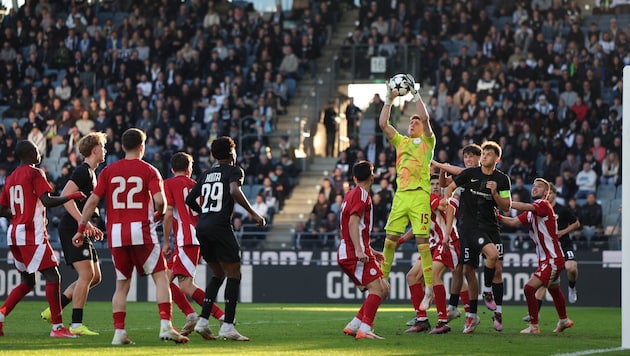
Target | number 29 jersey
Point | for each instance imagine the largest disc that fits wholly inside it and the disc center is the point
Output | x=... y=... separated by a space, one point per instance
x=217 y=204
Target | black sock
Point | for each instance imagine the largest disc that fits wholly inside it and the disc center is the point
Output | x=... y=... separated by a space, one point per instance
x=473 y=305
x=453 y=300
x=572 y=284
x=488 y=275
x=211 y=295
x=77 y=315
x=232 y=289
x=497 y=290
x=64 y=300
x=539 y=303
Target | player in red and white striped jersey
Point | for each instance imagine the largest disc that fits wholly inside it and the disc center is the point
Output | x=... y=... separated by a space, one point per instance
x=541 y=219
x=132 y=188
x=24 y=199
x=183 y=261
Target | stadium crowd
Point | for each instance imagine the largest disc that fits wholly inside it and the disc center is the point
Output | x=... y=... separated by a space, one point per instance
x=538 y=77
x=183 y=72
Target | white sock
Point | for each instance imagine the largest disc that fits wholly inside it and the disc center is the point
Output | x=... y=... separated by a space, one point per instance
x=486 y=289
x=202 y=321
x=75 y=325
x=120 y=332
x=227 y=327
x=192 y=315
x=355 y=323
x=57 y=326
x=499 y=309
x=165 y=324
x=1 y=318
x=365 y=327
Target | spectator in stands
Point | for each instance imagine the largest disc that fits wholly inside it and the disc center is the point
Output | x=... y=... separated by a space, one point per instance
x=520 y=189
x=321 y=207
x=590 y=215
x=611 y=168
x=586 y=181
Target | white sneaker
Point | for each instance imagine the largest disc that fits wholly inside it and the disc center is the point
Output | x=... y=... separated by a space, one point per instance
x=204 y=331
x=189 y=327
x=121 y=338
x=453 y=314
x=428 y=297
x=572 y=295
x=228 y=331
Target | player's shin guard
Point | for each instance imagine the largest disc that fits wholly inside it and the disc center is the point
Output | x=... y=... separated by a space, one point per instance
x=427 y=263
x=179 y=298
x=232 y=287
x=166 y=311
x=439 y=296
x=488 y=275
x=388 y=253
x=465 y=300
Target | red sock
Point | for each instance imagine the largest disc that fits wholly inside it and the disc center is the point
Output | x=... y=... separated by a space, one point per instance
x=14 y=297
x=119 y=320
x=166 y=311
x=559 y=302
x=179 y=298
x=53 y=295
x=532 y=303
x=370 y=306
x=417 y=294
x=360 y=312
x=216 y=312
x=465 y=297
x=439 y=295
x=198 y=296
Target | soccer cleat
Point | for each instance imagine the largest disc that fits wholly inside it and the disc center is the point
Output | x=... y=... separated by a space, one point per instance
x=471 y=324
x=412 y=321
x=62 y=332
x=497 y=319
x=368 y=335
x=531 y=329
x=228 y=331
x=428 y=298
x=171 y=334
x=204 y=332
x=350 y=331
x=122 y=339
x=563 y=325
x=419 y=326
x=47 y=315
x=488 y=298
x=189 y=327
x=526 y=318
x=453 y=314
x=441 y=328
x=1 y=328
x=83 y=330
x=572 y=295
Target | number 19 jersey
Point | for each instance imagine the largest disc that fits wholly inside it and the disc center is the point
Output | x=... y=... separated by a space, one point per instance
x=128 y=186
x=217 y=204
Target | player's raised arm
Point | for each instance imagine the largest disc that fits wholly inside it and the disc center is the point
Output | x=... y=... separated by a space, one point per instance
x=383 y=120
x=423 y=113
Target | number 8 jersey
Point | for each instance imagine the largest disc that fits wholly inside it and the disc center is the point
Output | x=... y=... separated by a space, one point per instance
x=217 y=204
x=128 y=186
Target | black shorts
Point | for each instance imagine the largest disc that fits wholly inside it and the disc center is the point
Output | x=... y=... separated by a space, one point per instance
x=219 y=245
x=567 y=247
x=72 y=253
x=471 y=243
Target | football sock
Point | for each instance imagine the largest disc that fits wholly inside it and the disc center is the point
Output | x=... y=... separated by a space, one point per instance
x=559 y=302
x=371 y=304
x=119 y=320
x=465 y=300
x=453 y=301
x=532 y=305
x=488 y=275
x=179 y=298
x=198 y=295
x=572 y=284
x=211 y=294
x=64 y=300
x=439 y=295
x=388 y=253
x=497 y=290
x=53 y=295
x=14 y=297
x=166 y=311
x=417 y=293
x=232 y=287
x=217 y=312
x=473 y=306
x=540 y=303
x=427 y=263
x=77 y=315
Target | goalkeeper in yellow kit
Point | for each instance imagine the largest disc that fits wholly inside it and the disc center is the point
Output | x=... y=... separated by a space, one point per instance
x=413 y=174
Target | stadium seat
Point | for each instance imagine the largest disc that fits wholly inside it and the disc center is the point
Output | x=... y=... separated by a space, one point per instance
x=606 y=192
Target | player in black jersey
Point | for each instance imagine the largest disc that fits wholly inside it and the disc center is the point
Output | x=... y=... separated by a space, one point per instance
x=219 y=188
x=484 y=189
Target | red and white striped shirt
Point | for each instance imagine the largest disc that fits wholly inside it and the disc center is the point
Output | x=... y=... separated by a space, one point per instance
x=21 y=194
x=543 y=230
x=184 y=219
x=438 y=221
x=129 y=185
x=357 y=201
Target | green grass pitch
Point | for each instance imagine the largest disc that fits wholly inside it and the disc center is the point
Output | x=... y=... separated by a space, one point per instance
x=308 y=329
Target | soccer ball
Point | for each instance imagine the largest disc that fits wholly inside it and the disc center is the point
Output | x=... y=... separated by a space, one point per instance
x=399 y=84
